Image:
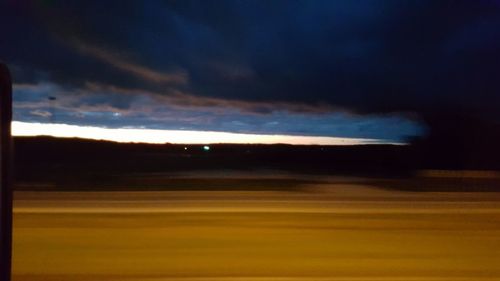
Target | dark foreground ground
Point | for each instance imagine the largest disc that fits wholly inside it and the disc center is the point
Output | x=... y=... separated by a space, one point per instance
x=45 y=163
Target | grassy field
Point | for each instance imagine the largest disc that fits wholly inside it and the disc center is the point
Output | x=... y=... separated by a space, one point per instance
x=321 y=232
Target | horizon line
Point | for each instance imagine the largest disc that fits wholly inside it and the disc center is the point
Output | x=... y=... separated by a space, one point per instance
x=193 y=137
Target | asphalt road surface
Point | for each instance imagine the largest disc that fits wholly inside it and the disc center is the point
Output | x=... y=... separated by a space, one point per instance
x=326 y=232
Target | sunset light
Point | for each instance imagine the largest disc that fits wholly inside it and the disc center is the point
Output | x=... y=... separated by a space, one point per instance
x=174 y=136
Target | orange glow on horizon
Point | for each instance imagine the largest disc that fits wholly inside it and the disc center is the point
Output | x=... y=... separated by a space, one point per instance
x=138 y=135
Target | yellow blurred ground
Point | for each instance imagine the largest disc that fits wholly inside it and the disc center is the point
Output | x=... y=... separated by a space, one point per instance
x=329 y=232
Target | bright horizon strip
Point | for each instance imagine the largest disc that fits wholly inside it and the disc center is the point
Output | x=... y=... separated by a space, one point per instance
x=176 y=136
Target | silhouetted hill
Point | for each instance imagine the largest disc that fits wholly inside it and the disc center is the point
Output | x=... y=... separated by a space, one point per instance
x=39 y=156
x=80 y=163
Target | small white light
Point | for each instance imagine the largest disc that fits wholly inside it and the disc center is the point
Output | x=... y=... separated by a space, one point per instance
x=206 y=148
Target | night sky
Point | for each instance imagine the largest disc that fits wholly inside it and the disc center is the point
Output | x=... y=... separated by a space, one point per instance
x=353 y=68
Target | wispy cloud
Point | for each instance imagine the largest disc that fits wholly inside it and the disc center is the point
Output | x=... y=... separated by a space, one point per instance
x=41 y=113
x=183 y=100
x=121 y=63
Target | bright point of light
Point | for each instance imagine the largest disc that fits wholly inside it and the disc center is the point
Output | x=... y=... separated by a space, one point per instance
x=206 y=148
x=173 y=136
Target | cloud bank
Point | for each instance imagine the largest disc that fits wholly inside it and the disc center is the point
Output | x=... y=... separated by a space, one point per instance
x=311 y=66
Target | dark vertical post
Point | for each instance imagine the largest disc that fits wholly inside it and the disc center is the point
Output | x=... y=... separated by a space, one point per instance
x=5 y=173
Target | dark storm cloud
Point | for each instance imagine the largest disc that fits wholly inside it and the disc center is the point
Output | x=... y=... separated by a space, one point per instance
x=364 y=56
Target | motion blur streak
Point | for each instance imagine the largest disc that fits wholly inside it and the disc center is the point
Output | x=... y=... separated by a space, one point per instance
x=173 y=136
x=326 y=232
